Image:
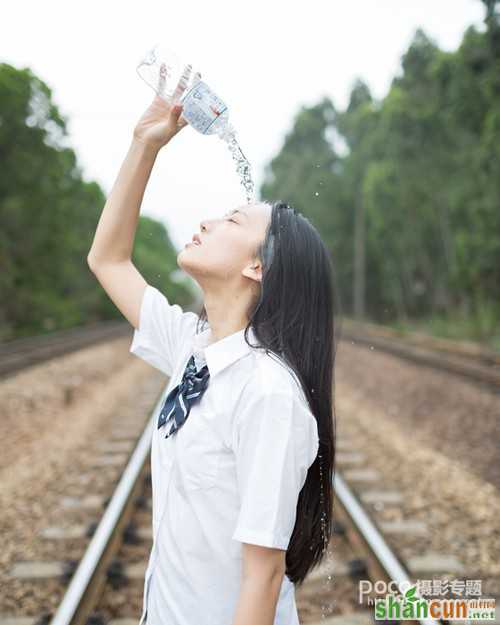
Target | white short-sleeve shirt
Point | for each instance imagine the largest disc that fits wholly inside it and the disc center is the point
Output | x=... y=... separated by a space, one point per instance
x=231 y=474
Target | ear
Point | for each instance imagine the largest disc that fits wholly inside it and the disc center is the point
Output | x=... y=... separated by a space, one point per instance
x=253 y=270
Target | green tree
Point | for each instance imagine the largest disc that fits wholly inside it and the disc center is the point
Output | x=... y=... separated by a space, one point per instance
x=409 y=204
x=49 y=215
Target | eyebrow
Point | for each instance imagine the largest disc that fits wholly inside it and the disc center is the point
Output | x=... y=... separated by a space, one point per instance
x=237 y=210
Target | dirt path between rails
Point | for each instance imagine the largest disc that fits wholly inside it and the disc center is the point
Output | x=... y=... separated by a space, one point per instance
x=46 y=444
x=430 y=436
x=447 y=413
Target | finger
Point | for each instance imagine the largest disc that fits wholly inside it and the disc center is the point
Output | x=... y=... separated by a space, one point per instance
x=162 y=76
x=182 y=122
x=175 y=113
x=183 y=82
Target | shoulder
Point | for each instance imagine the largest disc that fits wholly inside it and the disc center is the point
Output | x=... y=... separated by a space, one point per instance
x=164 y=330
x=273 y=374
x=271 y=378
x=166 y=318
x=158 y=304
x=273 y=402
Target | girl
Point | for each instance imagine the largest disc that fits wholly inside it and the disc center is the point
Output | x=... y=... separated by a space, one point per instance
x=242 y=455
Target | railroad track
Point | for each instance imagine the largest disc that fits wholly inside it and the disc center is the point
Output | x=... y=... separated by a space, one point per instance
x=468 y=360
x=112 y=566
x=106 y=585
x=103 y=496
x=22 y=353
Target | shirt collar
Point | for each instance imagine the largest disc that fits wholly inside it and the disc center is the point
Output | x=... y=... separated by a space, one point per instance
x=223 y=352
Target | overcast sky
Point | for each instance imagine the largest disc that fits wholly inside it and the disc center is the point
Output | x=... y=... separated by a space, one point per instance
x=263 y=58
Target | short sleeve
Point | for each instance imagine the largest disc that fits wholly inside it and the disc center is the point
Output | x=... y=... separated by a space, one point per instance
x=163 y=330
x=275 y=443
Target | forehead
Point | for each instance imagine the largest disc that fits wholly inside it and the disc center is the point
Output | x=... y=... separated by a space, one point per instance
x=257 y=214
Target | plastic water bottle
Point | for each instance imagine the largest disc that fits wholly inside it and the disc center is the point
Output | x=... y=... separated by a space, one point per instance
x=176 y=81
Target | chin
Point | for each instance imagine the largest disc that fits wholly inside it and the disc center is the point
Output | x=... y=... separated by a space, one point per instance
x=186 y=261
x=181 y=259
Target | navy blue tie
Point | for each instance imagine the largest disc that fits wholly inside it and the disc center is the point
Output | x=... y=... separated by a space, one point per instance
x=178 y=402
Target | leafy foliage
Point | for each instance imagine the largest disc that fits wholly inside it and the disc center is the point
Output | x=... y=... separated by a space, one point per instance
x=406 y=190
x=48 y=219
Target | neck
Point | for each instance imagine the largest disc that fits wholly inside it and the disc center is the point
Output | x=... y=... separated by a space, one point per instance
x=226 y=313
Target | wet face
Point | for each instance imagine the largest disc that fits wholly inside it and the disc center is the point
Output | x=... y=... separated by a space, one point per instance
x=228 y=245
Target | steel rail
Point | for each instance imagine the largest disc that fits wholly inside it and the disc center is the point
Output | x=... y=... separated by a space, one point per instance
x=467 y=368
x=374 y=539
x=83 y=589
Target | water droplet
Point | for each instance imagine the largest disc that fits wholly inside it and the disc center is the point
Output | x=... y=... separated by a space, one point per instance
x=316 y=194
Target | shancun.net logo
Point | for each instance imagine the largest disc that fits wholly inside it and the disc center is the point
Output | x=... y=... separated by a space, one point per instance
x=411 y=607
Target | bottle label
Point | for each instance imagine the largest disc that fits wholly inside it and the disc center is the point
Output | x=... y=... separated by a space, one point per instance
x=201 y=106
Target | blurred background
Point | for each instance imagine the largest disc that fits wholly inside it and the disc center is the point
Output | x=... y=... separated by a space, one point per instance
x=379 y=121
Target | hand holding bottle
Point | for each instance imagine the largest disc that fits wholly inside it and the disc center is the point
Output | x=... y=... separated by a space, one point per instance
x=180 y=89
x=159 y=123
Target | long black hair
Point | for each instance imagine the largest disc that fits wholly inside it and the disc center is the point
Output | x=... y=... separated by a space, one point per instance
x=293 y=317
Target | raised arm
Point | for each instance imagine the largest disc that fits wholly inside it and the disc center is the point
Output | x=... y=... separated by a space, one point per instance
x=110 y=256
